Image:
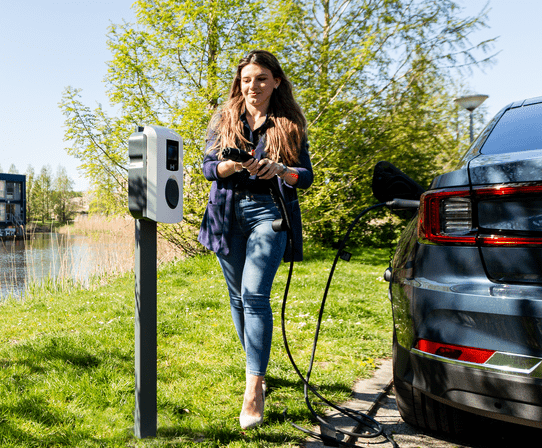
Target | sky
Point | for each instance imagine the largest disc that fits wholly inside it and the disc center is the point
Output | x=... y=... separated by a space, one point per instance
x=46 y=46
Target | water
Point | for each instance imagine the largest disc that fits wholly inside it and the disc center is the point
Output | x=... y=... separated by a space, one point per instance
x=55 y=256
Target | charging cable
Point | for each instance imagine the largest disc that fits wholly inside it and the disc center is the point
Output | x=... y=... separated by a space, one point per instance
x=328 y=434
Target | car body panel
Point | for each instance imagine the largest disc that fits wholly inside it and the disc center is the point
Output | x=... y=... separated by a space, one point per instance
x=525 y=166
x=458 y=178
x=435 y=302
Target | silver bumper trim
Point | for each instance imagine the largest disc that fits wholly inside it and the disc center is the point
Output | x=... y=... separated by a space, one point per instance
x=510 y=363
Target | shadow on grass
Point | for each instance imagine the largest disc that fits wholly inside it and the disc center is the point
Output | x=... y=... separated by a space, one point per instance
x=41 y=379
x=47 y=426
x=37 y=364
x=225 y=430
x=39 y=359
x=30 y=417
x=261 y=436
x=275 y=384
x=269 y=434
x=40 y=354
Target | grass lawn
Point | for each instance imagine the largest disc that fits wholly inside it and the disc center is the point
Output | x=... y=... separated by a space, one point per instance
x=67 y=358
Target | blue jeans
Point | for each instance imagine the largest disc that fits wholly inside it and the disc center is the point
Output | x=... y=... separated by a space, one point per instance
x=249 y=270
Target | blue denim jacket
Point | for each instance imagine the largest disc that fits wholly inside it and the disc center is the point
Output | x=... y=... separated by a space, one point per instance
x=215 y=228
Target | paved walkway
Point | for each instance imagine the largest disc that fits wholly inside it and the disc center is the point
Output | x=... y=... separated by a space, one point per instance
x=485 y=433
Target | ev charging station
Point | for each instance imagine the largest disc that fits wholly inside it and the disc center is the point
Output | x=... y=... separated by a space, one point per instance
x=155 y=194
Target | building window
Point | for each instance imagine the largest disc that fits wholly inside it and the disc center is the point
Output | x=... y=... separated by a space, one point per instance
x=10 y=190
x=2 y=189
x=2 y=212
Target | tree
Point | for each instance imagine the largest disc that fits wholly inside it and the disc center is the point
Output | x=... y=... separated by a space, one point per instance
x=47 y=194
x=376 y=82
x=171 y=70
x=13 y=169
x=373 y=76
x=31 y=196
x=43 y=195
x=63 y=206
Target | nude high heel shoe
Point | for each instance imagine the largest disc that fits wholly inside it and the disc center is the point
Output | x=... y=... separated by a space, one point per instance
x=250 y=421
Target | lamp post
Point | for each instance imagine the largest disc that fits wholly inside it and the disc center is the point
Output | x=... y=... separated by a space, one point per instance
x=470 y=102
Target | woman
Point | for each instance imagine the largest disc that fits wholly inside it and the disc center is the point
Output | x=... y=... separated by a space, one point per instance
x=261 y=117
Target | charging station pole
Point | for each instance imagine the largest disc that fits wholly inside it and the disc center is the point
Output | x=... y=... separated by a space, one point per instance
x=155 y=194
x=145 y=329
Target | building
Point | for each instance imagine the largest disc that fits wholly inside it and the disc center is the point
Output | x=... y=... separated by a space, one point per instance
x=12 y=204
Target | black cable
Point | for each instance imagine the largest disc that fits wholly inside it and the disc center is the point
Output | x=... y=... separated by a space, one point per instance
x=374 y=428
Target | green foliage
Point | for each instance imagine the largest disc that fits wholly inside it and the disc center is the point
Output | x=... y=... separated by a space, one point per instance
x=31 y=201
x=375 y=82
x=49 y=195
x=63 y=207
x=375 y=79
x=44 y=194
x=171 y=69
x=100 y=143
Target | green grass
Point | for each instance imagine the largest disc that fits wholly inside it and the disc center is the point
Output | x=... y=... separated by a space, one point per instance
x=67 y=367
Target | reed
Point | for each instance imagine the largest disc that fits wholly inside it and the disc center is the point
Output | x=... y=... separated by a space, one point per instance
x=9 y=276
x=121 y=229
x=82 y=255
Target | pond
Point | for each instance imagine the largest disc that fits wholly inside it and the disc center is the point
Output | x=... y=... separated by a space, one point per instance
x=55 y=256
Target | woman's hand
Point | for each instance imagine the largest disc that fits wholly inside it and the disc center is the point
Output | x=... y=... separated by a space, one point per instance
x=252 y=166
x=228 y=167
x=267 y=169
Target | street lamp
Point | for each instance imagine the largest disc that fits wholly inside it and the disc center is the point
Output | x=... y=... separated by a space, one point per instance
x=470 y=102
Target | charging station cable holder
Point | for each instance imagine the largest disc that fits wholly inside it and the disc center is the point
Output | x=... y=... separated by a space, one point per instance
x=155 y=194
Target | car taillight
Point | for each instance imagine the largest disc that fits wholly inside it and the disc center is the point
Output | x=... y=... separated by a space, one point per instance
x=485 y=216
x=452 y=351
x=446 y=217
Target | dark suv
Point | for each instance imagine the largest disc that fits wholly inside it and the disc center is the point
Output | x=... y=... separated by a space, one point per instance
x=466 y=284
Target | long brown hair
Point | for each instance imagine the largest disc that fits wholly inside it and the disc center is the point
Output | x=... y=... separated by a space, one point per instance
x=286 y=123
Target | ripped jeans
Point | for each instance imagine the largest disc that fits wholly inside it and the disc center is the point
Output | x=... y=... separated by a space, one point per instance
x=249 y=269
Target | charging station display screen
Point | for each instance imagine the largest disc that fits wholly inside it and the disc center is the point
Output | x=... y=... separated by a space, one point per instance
x=172 y=155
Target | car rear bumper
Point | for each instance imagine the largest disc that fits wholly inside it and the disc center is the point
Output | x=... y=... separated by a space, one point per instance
x=442 y=294
x=499 y=392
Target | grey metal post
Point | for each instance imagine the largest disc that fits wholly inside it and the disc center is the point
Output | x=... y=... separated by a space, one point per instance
x=471 y=127
x=470 y=102
x=145 y=416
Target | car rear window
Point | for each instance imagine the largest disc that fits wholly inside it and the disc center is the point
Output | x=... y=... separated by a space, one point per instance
x=519 y=129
